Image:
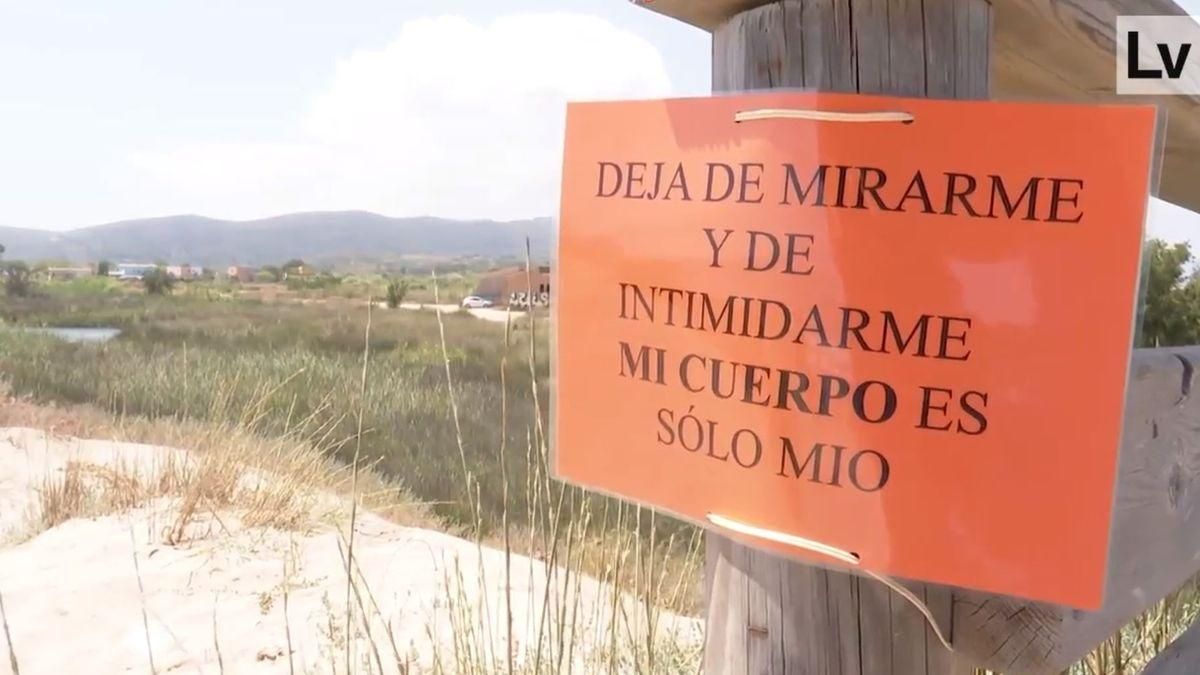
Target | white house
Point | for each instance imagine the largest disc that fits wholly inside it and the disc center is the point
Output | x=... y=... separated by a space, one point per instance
x=131 y=271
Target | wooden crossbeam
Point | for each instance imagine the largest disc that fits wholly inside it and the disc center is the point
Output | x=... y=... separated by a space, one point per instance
x=1043 y=49
x=1155 y=541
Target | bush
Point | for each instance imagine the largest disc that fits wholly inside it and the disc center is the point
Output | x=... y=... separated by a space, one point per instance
x=318 y=282
x=89 y=285
x=17 y=281
x=158 y=282
x=396 y=290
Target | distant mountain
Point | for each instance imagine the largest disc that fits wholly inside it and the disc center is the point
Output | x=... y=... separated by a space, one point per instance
x=319 y=236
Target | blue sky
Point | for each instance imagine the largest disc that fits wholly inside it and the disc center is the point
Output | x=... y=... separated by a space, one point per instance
x=249 y=108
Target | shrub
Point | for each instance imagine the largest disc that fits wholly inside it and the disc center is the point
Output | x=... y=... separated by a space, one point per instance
x=318 y=282
x=158 y=282
x=17 y=282
x=85 y=286
x=396 y=290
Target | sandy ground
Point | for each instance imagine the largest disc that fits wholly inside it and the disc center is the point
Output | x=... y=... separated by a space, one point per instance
x=109 y=594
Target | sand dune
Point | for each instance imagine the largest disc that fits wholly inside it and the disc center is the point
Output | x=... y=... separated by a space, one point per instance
x=107 y=594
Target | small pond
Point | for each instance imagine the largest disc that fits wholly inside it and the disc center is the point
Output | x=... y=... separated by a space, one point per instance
x=73 y=334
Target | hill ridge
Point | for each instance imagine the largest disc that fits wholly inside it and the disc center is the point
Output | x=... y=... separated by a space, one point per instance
x=315 y=236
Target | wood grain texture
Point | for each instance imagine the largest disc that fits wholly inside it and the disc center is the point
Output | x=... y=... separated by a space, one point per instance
x=1155 y=540
x=869 y=23
x=1063 y=50
x=1043 y=50
x=826 y=45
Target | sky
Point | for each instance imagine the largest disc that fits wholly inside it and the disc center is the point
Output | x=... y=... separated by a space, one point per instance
x=243 y=109
x=250 y=108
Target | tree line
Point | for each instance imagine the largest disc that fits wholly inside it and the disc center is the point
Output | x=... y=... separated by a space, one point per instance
x=1170 y=311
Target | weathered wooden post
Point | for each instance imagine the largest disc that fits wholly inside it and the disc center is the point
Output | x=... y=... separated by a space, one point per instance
x=770 y=615
x=767 y=614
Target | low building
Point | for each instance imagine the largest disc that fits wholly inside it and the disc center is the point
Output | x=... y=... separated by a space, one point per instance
x=184 y=272
x=511 y=286
x=65 y=273
x=241 y=273
x=131 y=271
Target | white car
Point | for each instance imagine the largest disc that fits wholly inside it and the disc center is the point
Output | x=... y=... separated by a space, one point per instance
x=475 y=302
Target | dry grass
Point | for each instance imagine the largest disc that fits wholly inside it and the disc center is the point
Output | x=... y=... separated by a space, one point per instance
x=563 y=524
x=213 y=477
x=617 y=544
x=483 y=441
x=280 y=483
x=267 y=366
x=643 y=568
x=285 y=483
x=65 y=498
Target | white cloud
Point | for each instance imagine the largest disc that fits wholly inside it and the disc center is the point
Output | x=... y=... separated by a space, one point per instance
x=452 y=118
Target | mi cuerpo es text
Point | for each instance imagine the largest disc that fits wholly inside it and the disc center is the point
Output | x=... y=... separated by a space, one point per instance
x=931 y=336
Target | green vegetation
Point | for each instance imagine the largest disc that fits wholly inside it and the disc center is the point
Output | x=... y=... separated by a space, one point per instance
x=315 y=282
x=295 y=266
x=1172 y=308
x=17 y=281
x=178 y=357
x=396 y=290
x=194 y=358
x=158 y=282
x=452 y=407
x=204 y=369
x=84 y=287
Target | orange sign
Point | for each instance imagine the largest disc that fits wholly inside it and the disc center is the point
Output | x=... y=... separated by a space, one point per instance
x=865 y=331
